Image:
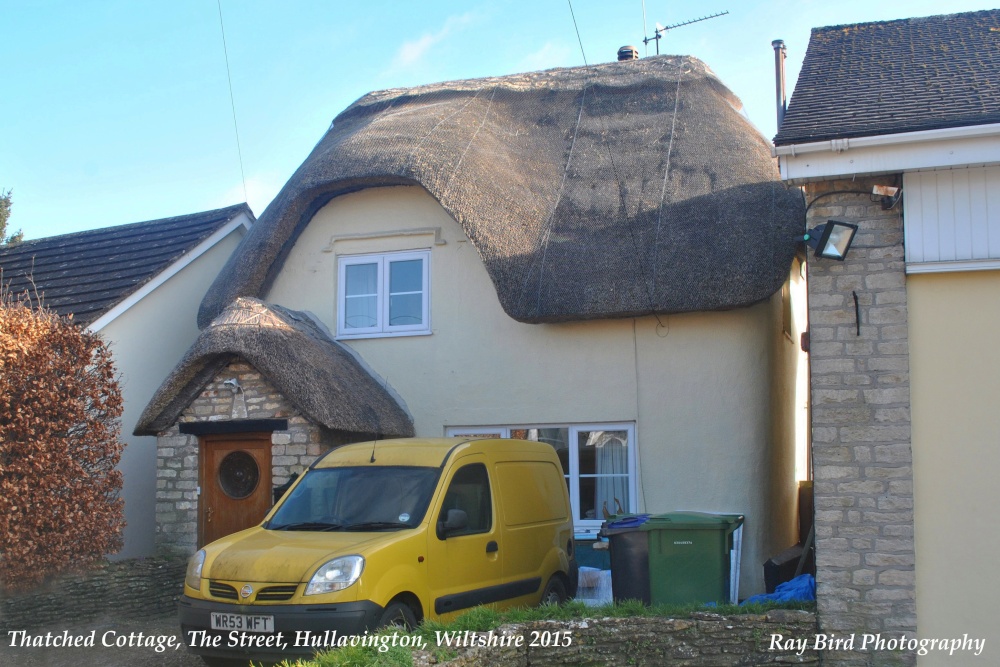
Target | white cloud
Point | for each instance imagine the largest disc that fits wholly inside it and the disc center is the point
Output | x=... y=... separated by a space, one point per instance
x=412 y=52
x=261 y=189
x=550 y=55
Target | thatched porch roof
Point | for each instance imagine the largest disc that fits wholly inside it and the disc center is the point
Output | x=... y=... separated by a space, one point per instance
x=319 y=376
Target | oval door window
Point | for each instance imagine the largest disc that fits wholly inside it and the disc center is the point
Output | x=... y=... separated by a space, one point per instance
x=238 y=475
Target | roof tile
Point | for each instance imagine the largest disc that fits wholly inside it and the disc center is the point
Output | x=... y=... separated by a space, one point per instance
x=88 y=273
x=897 y=76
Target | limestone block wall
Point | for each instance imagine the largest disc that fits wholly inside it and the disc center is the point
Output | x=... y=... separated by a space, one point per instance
x=134 y=588
x=292 y=450
x=701 y=640
x=862 y=460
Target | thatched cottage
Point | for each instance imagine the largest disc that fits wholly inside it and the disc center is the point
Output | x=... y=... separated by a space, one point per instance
x=603 y=258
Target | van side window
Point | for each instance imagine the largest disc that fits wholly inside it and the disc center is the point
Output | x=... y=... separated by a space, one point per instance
x=469 y=491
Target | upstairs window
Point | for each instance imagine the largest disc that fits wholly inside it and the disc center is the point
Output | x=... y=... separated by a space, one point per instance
x=383 y=295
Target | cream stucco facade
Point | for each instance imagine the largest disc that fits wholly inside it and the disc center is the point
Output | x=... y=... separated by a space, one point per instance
x=712 y=395
x=147 y=339
x=955 y=386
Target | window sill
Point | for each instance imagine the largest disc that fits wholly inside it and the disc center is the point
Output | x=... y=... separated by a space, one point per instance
x=390 y=334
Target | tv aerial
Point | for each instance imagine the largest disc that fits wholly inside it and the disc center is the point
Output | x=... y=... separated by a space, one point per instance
x=662 y=29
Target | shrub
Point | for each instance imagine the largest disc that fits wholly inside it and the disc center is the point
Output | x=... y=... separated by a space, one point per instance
x=59 y=425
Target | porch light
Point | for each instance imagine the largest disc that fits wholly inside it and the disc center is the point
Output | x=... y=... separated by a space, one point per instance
x=832 y=240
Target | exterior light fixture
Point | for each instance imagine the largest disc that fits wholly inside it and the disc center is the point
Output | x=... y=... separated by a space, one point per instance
x=832 y=240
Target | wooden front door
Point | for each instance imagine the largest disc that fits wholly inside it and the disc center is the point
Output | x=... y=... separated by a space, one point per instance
x=235 y=483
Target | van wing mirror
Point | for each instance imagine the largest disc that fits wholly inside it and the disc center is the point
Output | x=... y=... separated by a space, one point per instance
x=456 y=520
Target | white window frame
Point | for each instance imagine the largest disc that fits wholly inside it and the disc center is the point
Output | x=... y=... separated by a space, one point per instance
x=580 y=526
x=382 y=329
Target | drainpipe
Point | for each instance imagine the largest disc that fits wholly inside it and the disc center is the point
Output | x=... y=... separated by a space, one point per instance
x=779 y=78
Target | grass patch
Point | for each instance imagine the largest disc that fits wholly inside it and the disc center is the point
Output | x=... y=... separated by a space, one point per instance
x=484 y=619
x=360 y=656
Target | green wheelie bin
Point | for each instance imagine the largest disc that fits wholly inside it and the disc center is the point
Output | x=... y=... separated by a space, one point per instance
x=686 y=556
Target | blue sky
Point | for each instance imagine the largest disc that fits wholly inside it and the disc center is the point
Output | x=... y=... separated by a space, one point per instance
x=117 y=111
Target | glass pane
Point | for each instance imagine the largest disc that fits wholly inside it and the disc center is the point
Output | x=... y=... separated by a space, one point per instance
x=406 y=309
x=604 y=481
x=360 y=312
x=606 y=493
x=839 y=239
x=373 y=498
x=361 y=279
x=238 y=475
x=406 y=276
x=603 y=452
x=469 y=491
x=557 y=437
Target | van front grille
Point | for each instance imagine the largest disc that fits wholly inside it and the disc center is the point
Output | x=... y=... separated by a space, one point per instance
x=217 y=589
x=276 y=593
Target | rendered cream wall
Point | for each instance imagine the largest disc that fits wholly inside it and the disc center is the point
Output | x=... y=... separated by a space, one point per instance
x=147 y=341
x=789 y=454
x=698 y=389
x=955 y=400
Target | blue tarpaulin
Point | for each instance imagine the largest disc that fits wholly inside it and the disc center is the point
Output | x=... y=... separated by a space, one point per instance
x=802 y=587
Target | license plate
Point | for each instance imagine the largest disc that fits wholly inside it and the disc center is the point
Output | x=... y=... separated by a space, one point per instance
x=221 y=621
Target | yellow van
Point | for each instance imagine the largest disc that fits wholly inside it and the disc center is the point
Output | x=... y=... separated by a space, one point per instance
x=385 y=533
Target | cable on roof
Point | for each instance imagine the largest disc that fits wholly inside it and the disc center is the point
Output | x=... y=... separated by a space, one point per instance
x=618 y=181
x=666 y=170
x=420 y=144
x=552 y=213
x=475 y=134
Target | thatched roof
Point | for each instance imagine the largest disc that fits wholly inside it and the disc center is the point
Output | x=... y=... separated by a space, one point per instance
x=594 y=192
x=319 y=376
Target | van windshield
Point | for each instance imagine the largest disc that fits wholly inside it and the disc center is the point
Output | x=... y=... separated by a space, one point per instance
x=370 y=498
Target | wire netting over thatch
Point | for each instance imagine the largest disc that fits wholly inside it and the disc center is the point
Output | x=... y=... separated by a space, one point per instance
x=593 y=192
x=319 y=376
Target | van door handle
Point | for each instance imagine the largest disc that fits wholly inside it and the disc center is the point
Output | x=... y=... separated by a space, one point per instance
x=492 y=547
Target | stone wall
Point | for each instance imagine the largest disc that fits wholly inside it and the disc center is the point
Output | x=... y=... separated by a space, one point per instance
x=703 y=640
x=862 y=463
x=292 y=450
x=136 y=589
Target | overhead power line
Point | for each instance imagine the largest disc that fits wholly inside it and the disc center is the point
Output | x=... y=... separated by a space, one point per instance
x=232 y=102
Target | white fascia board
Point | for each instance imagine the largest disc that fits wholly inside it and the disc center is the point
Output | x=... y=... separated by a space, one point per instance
x=909 y=151
x=953 y=266
x=242 y=220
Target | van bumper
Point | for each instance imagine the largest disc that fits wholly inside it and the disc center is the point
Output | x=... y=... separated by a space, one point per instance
x=299 y=629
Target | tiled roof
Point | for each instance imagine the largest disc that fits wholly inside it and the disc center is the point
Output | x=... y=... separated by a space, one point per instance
x=897 y=76
x=88 y=273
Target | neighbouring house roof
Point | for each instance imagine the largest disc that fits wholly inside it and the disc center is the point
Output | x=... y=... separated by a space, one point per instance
x=319 y=376
x=896 y=76
x=613 y=190
x=87 y=273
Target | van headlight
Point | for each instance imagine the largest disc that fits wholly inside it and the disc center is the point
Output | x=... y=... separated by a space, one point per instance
x=336 y=575
x=193 y=576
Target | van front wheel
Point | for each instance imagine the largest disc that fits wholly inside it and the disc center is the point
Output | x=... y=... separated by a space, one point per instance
x=397 y=615
x=555 y=591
